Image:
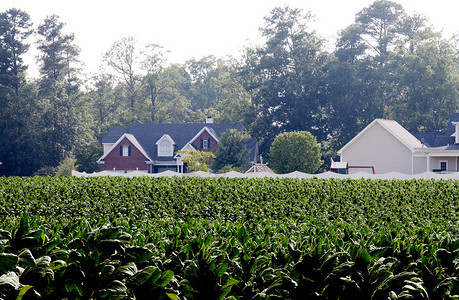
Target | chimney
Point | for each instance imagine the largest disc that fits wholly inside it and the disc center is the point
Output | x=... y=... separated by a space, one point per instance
x=209 y=120
x=456 y=132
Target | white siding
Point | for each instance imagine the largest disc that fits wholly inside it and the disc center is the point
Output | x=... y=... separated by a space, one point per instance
x=378 y=148
x=420 y=165
x=435 y=163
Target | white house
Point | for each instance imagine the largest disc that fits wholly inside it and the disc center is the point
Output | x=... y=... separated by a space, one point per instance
x=388 y=147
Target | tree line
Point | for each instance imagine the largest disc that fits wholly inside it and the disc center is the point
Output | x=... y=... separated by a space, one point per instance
x=387 y=64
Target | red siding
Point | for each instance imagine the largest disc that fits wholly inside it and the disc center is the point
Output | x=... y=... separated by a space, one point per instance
x=205 y=135
x=126 y=163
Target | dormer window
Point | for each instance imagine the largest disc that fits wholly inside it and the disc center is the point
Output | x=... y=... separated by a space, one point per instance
x=205 y=144
x=165 y=146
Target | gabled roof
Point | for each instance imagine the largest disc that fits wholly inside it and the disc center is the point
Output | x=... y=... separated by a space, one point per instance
x=148 y=134
x=166 y=137
x=133 y=140
x=257 y=168
x=440 y=139
x=451 y=128
x=209 y=130
x=394 y=128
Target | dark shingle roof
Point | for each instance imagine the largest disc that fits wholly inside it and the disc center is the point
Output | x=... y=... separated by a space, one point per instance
x=451 y=128
x=148 y=134
x=439 y=139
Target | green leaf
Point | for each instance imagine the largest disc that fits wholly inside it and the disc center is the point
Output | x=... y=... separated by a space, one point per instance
x=57 y=264
x=49 y=246
x=22 y=291
x=117 y=286
x=172 y=296
x=127 y=270
x=366 y=257
x=166 y=277
x=70 y=287
x=44 y=261
x=8 y=262
x=23 y=228
x=138 y=254
x=26 y=259
x=11 y=279
x=221 y=269
x=5 y=235
x=227 y=288
x=149 y=273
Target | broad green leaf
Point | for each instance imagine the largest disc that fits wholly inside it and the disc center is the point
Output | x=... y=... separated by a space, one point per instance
x=127 y=270
x=117 y=286
x=221 y=269
x=57 y=264
x=149 y=273
x=8 y=262
x=11 y=279
x=138 y=254
x=73 y=287
x=166 y=277
x=172 y=296
x=26 y=259
x=22 y=291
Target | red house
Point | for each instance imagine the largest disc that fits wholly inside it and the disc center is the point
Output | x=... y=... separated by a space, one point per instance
x=152 y=147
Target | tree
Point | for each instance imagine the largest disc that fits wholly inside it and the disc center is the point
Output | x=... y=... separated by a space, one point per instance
x=295 y=151
x=286 y=78
x=59 y=93
x=19 y=113
x=15 y=28
x=196 y=160
x=153 y=64
x=424 y=77
x=379 y=23
x=122 y=59
x=232 y=150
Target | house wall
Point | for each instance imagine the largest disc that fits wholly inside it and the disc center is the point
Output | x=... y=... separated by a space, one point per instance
x=378 y=148
x=435 y=163
x=205 y=135
x=420 y=165
x=126 y=163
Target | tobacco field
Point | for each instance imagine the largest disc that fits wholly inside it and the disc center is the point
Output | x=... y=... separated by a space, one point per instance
x=228 y=238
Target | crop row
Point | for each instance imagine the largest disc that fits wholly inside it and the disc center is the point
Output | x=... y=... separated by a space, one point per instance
x=193 y=238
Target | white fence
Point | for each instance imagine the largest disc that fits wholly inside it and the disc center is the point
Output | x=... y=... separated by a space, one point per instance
x=392 y=175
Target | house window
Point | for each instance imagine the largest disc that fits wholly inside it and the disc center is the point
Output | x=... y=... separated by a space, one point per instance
x=443 y=166
x=165 y=148
x=125 y=151
x=205 y=143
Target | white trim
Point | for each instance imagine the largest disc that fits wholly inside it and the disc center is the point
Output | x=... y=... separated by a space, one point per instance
x=134 y=142
x=167 y=138
x=200 y=132
x=188 y=146
x=125 y=150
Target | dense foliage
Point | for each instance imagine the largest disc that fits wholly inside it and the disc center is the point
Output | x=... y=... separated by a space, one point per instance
x=295 y=151
x=194 y=238
x=232 y=151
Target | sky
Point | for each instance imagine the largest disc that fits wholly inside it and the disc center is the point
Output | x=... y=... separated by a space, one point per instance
x=196 y=28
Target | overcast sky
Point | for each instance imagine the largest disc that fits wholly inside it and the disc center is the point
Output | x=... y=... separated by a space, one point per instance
x=196 y=28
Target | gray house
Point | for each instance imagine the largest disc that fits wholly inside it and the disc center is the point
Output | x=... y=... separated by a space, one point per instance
x=388 y=147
